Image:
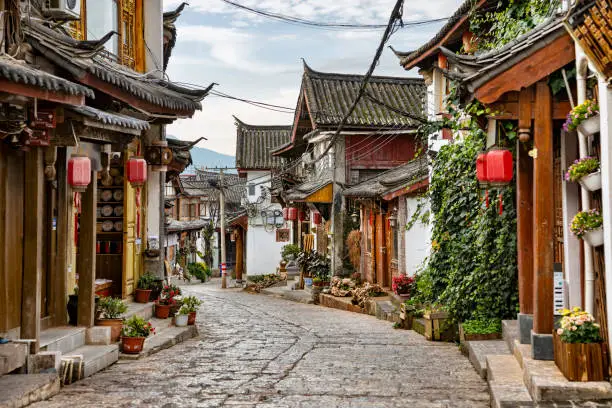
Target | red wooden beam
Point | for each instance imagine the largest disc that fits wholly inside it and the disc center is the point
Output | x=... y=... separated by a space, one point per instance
x=407 y=190
x=32 y=91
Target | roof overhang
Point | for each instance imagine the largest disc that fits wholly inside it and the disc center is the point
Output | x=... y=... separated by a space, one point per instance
x=32 y=91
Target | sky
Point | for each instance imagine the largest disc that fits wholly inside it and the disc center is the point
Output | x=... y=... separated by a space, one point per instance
x=257 y=58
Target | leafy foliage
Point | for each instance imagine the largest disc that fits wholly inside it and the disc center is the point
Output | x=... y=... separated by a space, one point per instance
x=403 y=285
x=136 y=326
x=482 y=326
x=580 y=113
x=290 y=252
x=112 y=308
x=581 y=167
x=190 y=305
x=146 y=281
x=586 y=221
x=199 y=270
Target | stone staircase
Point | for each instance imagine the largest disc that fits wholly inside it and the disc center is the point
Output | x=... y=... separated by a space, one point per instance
x=516 y=380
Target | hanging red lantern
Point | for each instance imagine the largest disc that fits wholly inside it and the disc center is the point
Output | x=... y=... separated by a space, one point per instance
x=286 y=213
x=292 y=214
x=316 y=218
x=137 y=171
x=79 y=172
x=500 y=168
x=481 y=168
x=301 y=215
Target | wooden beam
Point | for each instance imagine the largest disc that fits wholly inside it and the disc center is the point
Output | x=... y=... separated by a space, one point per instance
x=509 y=110
x=537 y=66
x=239 y=253
x=86 y=266
x=40 y=93
x=543 y=209
x=33 y=244
x=64 y=240
x=524 y=236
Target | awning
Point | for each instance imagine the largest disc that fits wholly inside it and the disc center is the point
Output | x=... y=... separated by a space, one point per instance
x=315 y=191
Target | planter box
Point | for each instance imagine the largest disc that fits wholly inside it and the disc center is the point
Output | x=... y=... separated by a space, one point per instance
x=581 y=361
x=591 y=182
x=463 y=336
x=590 y=126
x=406 y=318
x=438 y=327
x=595 y=238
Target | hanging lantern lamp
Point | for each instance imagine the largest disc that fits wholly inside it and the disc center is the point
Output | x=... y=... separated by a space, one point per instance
x=301 y=215
x=79 y=172
x=481 y=168
x=317 y=218
x=292 y=214
x=286 y=213
x=500 y=168
x=137 y=171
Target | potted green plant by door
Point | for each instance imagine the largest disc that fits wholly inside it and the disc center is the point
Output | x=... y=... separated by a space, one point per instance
x=191 y=304
x=111 y=310
x=584 y=117
x=135 y=331
x=165 y=301
x=144 y=288
x=588 y=225
x=585 y=171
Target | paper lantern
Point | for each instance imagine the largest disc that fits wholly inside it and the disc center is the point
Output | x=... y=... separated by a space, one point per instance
x=137 y=171
x=301 y=215
x=316 y=218
x=481 y=168
x=285 y=213
x=500 y=168
x=79 y=172
x=292 y=214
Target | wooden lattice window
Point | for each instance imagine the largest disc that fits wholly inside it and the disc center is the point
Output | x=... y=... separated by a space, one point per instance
x=127 y=32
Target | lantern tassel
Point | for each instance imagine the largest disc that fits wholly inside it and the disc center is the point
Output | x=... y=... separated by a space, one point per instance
x=501 y=204
x=487 y=198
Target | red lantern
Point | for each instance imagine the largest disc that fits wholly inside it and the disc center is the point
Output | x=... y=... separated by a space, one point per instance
x=137 y=171
x=301 y=215
x=481 y=168
x=286 y=213
x=292 y=215
x=500 y=168
x=316 y=218
x=79 y=172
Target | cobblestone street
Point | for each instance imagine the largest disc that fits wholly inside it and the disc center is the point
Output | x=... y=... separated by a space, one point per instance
x=261 y=351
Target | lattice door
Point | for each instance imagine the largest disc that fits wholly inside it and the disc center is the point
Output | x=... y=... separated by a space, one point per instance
x=127 y=33
x=558 y=199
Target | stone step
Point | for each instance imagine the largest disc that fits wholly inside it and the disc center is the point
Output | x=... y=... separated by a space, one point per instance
x=63 y=339
x=479 y=350
x=386 y=310
x=163 y=339
x=12 y=356
x=505 y=379
x=95 y=358
x=20 y=390
x=510 y=332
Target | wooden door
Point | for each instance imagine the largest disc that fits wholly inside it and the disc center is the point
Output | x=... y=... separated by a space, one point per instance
x=130 y=258
x=381 y=251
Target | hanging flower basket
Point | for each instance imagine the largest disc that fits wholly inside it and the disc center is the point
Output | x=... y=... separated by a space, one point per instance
x=595 y=238
x=591 y=182
x=590 y=126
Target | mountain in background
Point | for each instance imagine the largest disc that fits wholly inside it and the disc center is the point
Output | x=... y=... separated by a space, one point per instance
x=203 y=157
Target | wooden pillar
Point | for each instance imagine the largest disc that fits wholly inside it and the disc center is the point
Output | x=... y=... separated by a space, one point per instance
x=543 y=212
x=86 y=266
x=33 y=245
x=64 y=241
x=524 y=198
x=239 y=254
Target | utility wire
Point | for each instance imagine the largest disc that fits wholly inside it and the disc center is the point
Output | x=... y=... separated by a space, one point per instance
x=297 y=20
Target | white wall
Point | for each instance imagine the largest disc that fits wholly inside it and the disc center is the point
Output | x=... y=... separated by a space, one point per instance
x=417 y=239
x=263 y=252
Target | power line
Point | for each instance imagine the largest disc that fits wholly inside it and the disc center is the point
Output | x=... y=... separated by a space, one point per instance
x=309 y=23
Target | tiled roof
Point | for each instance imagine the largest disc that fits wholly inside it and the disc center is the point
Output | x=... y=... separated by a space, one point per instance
x=389 y=181
x=21 y=73
x=80 y=58
x=207 y=183
x=254 y=145
x=301 y=191
x=329 y=97
x=175 y=225
x=111 y=118
x=407 y=58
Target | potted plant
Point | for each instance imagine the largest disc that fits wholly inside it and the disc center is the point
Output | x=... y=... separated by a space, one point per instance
x=144 y=288
x=588 y=225
x=403 y=286
x=319 y=269
x=579 y=350
x=182 y=318
x=290 y=252
x=586 y=172
x=111 y=310
x=191 y=305
x=166 y=300
x=135 y=330
x=584 y=117
x=480 y=329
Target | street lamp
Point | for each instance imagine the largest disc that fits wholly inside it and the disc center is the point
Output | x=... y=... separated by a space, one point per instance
x=393 y=218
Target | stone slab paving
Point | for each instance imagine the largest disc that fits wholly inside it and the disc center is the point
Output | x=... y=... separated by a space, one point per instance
x=262 y=351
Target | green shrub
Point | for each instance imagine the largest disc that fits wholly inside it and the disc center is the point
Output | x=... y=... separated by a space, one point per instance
x=136 y=326
x=198 y=270
x=146 y=281
x=290 y=252
x=191 y=304
x=111 y=308
x=482 y=326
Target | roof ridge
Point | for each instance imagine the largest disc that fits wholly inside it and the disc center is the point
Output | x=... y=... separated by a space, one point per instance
x=240 y=123
x=343 y=76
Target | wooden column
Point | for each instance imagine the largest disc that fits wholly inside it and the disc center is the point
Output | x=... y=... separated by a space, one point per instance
x=86 y=266
x=524 y=177
x=239 y=254
x=64 y=241
x=543 y=212
x=33 y=244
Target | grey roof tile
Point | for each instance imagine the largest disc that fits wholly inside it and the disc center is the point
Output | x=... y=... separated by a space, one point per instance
x=111 y=118
x=389 y=181
x=254 y=145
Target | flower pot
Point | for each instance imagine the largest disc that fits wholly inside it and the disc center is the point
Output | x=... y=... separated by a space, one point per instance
x=581 y=361
x=590 y=126
x=132 y=345
x=142 y=295
x=192 y=317
x=591 y=182
x=115 y=325
x=180 y=320
x=174 y=309
x=162 y=311
x=595 y=238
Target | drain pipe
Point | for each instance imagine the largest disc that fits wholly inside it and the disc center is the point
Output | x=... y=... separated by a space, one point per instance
x=589 y=275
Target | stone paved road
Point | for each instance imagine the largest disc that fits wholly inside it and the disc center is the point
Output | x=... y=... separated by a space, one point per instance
x=259 y=351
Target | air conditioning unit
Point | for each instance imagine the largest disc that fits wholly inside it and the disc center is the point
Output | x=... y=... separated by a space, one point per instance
x=62 y=9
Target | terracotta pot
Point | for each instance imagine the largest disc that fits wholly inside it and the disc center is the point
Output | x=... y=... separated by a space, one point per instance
x=162 y=311
x=320 y=284
x=191 y=319
x=181 y=320
x=142 y=295
x=132 y=345
x=115 y=325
